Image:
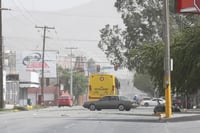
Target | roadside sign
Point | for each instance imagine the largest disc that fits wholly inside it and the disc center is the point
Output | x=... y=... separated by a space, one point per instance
x=197 y=4
x=187 y=6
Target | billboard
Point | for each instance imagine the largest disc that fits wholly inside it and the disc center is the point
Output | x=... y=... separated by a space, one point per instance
x=188 y=6
x=31 y=61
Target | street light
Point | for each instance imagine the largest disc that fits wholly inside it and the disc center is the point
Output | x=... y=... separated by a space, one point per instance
x=71 y=71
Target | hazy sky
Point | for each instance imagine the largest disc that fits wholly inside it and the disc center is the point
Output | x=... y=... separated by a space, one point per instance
x=76 y=27
x=43 y=5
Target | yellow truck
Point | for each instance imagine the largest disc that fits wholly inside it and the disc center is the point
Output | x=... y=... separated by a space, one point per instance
x=101 y=85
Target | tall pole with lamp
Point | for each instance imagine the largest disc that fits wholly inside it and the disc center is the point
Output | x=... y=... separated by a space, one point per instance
x=71 y=72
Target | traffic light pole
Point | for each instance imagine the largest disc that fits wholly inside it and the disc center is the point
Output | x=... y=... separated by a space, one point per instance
x=167 y=76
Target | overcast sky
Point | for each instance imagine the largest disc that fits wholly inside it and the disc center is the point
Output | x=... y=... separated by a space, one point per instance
x=43 y=5
x=77 y=27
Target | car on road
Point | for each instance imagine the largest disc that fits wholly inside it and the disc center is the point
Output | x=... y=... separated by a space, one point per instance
x=111 y=102
x=152 y=102
x=64 y=100
x=161 y=108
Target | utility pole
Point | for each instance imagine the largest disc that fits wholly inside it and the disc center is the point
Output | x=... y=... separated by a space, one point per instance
x=43 y=54
x=1 y=59
x=167 y=76
x=71 y=72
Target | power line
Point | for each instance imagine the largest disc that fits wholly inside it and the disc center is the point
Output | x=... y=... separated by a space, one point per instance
x=59 y=39
x=84 y=15
x=28 y=15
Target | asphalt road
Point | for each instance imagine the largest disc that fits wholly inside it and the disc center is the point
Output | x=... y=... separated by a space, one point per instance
x=80 y=120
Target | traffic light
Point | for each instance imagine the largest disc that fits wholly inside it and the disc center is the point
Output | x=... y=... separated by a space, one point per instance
x=98 y=68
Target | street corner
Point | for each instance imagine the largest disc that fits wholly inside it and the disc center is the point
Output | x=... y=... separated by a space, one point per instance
x=180 y=117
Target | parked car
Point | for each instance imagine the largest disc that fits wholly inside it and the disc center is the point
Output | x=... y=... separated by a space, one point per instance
x=64 y=100
x=161 y=108
x=152 y=102
x=110 y=102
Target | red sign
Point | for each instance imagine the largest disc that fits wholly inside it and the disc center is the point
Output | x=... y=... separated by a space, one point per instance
x=188 y=6
x=197 y=4
x=36 y=65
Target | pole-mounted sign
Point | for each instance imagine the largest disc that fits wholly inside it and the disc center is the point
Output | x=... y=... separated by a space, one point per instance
x=188 y=6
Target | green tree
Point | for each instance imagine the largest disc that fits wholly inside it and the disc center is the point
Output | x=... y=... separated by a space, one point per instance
x=149 y=61
x=64 y=77
x=80 y=84
x=112 y=43
x=79 y=81
x=185 y=52
x=140 y=45
x=144 y=25
x=143 y=82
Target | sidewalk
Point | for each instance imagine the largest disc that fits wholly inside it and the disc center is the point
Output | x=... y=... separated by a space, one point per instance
x=188 y=115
